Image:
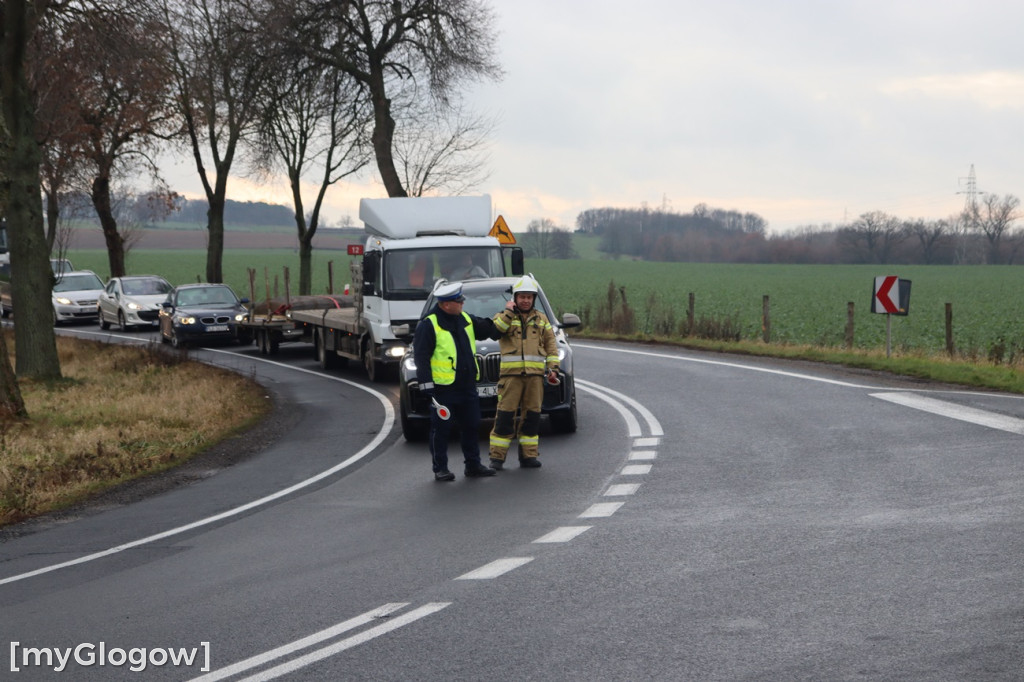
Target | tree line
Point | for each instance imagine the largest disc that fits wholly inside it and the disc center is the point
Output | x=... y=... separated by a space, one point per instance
x=318 y=90
x=985 y=232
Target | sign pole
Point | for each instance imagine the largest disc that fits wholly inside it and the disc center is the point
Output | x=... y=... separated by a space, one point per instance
x=888 y=335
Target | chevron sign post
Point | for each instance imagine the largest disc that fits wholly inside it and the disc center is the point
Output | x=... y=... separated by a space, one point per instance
x=891 y=296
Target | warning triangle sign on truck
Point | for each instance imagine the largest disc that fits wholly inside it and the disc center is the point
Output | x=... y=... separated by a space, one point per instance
x=501 y=232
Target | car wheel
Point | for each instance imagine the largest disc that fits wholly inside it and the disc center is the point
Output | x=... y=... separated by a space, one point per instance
x=565 y=421
x=414 y=430
x=104 y=325
x=120 y=321
x=175 y=341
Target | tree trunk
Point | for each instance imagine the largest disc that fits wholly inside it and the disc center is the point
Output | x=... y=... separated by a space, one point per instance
x=383 y=139
x=215 y=247
x=306 y=265
x=11 y=404
x=31 y=276
x=115 y=242
x=52 y=218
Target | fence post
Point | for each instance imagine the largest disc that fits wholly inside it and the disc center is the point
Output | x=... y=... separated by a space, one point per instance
x=949 y=330
x=766 y=318
x=330 y=277
x=689 y=316
x=849 y=325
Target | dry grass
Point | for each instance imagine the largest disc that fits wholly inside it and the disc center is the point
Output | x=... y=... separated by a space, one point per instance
x=120 y=412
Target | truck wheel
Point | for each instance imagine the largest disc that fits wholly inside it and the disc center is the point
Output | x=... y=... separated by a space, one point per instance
x=261 y=342
x=372 y=368
x=325 y=358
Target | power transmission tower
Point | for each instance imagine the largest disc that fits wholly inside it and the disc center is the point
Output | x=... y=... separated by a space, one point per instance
x=971 y=200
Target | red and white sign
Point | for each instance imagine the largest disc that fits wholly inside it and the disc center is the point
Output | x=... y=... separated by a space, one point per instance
x=355 y=249
x=887 y=295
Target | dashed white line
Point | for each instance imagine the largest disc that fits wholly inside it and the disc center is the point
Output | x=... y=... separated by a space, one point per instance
x=635 y=469
x=643 y=454
x=563 y=534
x=646 y=442
x=620 y=489
x=496 y=568
x=601 y=509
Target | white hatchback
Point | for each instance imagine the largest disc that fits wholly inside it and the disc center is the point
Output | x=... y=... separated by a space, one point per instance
x=132 y=301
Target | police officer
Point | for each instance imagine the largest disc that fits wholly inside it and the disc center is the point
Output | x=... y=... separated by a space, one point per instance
x=528 y=353
x=444 y=348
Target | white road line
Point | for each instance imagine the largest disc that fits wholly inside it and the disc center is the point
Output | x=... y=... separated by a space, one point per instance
x=601 y=509
x=653 y=425
x=348 y=643
x=496 y=568
x=305 y=642
x=621 y=489
x=954 y=411
x=385 y=430
x=643 y=454
x=632 y=425
x=636 y=469
x=563 y=534
x=646 y=442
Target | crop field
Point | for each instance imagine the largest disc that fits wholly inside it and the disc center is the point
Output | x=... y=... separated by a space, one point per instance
x=808 y=302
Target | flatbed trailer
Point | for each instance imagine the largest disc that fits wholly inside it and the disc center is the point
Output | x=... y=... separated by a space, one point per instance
x=272 y=324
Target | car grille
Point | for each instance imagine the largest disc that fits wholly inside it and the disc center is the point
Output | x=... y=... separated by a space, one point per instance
x=149 y=315
x=490 y=367
x=215 y=319
x=88 y=301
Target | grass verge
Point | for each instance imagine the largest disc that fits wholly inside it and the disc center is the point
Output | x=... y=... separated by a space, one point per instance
x=119 y=413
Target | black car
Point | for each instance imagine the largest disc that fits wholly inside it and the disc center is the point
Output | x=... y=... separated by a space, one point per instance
x=486 y=298
x=203 y=313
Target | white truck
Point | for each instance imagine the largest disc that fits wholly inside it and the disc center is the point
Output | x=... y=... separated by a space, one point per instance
x=413 y=242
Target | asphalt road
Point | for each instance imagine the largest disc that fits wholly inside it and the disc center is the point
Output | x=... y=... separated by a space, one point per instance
x=714 y=518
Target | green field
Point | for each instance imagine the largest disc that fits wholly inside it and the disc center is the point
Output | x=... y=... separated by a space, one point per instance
x=808 y=302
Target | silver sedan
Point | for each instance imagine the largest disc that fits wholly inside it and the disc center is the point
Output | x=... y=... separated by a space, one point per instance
x=132 y=301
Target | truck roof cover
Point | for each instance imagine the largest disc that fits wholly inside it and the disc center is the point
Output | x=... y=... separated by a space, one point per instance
x=404 y=217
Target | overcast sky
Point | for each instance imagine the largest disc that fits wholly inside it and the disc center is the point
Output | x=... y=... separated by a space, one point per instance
x=802 y=112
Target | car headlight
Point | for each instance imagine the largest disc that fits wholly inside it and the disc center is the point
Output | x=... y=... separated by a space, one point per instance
x=132 y=305
x=239 y=317
x=409 y=363
x=561 y=354
x=63 y=300
x=184 y=319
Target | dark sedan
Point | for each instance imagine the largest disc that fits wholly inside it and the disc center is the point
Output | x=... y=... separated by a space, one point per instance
x=485 y=298
x=201 y=313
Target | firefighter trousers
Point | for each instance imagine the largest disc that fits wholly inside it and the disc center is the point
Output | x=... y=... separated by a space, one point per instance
x=523 y=393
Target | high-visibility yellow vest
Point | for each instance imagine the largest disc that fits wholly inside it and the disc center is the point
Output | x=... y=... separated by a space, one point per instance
x=442 y=362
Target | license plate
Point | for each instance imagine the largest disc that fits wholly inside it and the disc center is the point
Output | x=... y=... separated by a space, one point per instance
x=487 y=391
x=217 y=328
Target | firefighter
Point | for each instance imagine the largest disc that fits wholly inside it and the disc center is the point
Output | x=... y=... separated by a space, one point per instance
x=528 y=355
x=444 y=348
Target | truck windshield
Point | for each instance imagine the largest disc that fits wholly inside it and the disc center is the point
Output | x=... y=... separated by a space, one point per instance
x=409 y=274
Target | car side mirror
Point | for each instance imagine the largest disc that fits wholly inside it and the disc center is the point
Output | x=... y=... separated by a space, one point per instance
x=570 y=320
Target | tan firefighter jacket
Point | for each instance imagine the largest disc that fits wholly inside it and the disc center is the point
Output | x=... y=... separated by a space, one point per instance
x=527 y=343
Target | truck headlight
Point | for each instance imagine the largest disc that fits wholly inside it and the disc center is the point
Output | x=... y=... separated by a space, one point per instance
x=395 y=351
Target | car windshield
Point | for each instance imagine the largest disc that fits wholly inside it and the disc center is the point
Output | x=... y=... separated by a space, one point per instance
x=78 y=282
x=145 y=287
x=488 y=301
x=211 y=296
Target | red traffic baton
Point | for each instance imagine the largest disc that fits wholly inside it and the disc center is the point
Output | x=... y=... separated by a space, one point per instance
x=443 y=412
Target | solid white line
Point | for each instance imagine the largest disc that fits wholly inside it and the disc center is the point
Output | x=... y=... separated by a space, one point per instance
x=601 y=509
x=643 y=454
x=646 y=442
x=563 y=534
x=954 y=411
x=496 y=568
x=635 y=469
x=621 y=489
x=315 y=638
x=389 y=420
x=632 y=425
x=652 y=422
x=348 y=643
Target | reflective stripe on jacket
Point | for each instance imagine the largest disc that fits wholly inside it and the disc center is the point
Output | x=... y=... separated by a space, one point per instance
x=527 y=342
x=442 y=362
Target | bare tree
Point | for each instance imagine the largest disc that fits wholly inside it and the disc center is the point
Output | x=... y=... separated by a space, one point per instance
x=929 y=235
x=993 y=216
x=315 y=123
x=386 y=45
x=876 y=233
x=443 y=151
x=31 y=276
x=216 y=57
